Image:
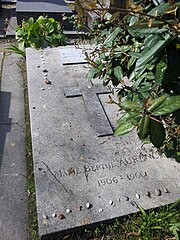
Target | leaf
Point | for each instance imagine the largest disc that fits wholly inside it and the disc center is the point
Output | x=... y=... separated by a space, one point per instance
x=154 y=51
x=17 y=50
x=131 y=62
x=118 y=73
x=159 y=9
x=130 y=106
x=92 y=72
x=136 y=31
x=142 y=211
x=128 y=116
x=124 y=128
x=155 y=103
x=157 y=133
x=135 y=7
x=171 y=104
x=143 y=129
x=110 y=39
x=160 y=70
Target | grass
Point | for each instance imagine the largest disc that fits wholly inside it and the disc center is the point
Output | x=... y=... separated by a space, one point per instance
x=157 y=224
x=30 y=188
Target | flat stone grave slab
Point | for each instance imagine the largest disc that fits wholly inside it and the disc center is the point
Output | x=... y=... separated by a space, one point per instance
x=51 y=8
x=83 y=177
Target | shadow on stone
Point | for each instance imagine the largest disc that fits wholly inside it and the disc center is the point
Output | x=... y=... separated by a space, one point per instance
x=5 y=121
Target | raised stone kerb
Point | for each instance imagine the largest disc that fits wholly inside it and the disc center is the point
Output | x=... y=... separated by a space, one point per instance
x=95 y=110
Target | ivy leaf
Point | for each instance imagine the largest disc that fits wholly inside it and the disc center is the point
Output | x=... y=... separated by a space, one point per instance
x=118 y=73
x=157 y=133
x=124 y=128
x=171 y=104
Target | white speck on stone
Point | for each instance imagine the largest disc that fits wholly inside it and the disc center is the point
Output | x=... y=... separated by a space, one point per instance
x=45 y=74
x=68 y=210
x=100 y=210
x=89 y=86
x=137 y=196
x=119 y=200
x=44 y=216
x=111 y=202
x=49 y=88
x=42 y=88
x=88 y=205
x=54 y=215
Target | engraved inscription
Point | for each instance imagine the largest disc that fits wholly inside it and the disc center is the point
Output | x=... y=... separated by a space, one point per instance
x=114 y=180
x=106 y=167
x=108 y=181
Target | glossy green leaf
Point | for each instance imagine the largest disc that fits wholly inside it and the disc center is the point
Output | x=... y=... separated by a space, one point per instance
x=171 y=104
x=129 y=105
x=159 y=9
x=143 y=129
x=160 y=70
x=128 y=116
x=118 y=73
x=109 y=40
x=131 y=62
x=124 y=128
x=136 y=31
x=92 y=72
x=157 y=133
x=155 y=103
x=152 y=53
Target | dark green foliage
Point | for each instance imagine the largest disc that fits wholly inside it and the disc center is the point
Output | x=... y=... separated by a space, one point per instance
x=139 y=54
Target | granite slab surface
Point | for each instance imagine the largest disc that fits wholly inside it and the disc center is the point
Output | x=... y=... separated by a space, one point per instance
x=42 y=6
x=82 y=179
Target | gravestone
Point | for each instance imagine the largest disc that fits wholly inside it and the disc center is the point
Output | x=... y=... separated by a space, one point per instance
x=83 y=177
x=51 y=8
x=8 y=1
x=72 y=55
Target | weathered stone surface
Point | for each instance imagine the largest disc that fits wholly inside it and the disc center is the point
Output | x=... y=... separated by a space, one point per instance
x=43 y=6
x=51 y=8
x=73 y=166
x=13 y=176
x=72 y=55
x=95 y=111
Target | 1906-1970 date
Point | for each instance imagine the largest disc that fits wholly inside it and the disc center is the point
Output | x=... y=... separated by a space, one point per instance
x=115 y=180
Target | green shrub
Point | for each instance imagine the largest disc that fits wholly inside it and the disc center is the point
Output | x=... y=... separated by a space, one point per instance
x=38 y=33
